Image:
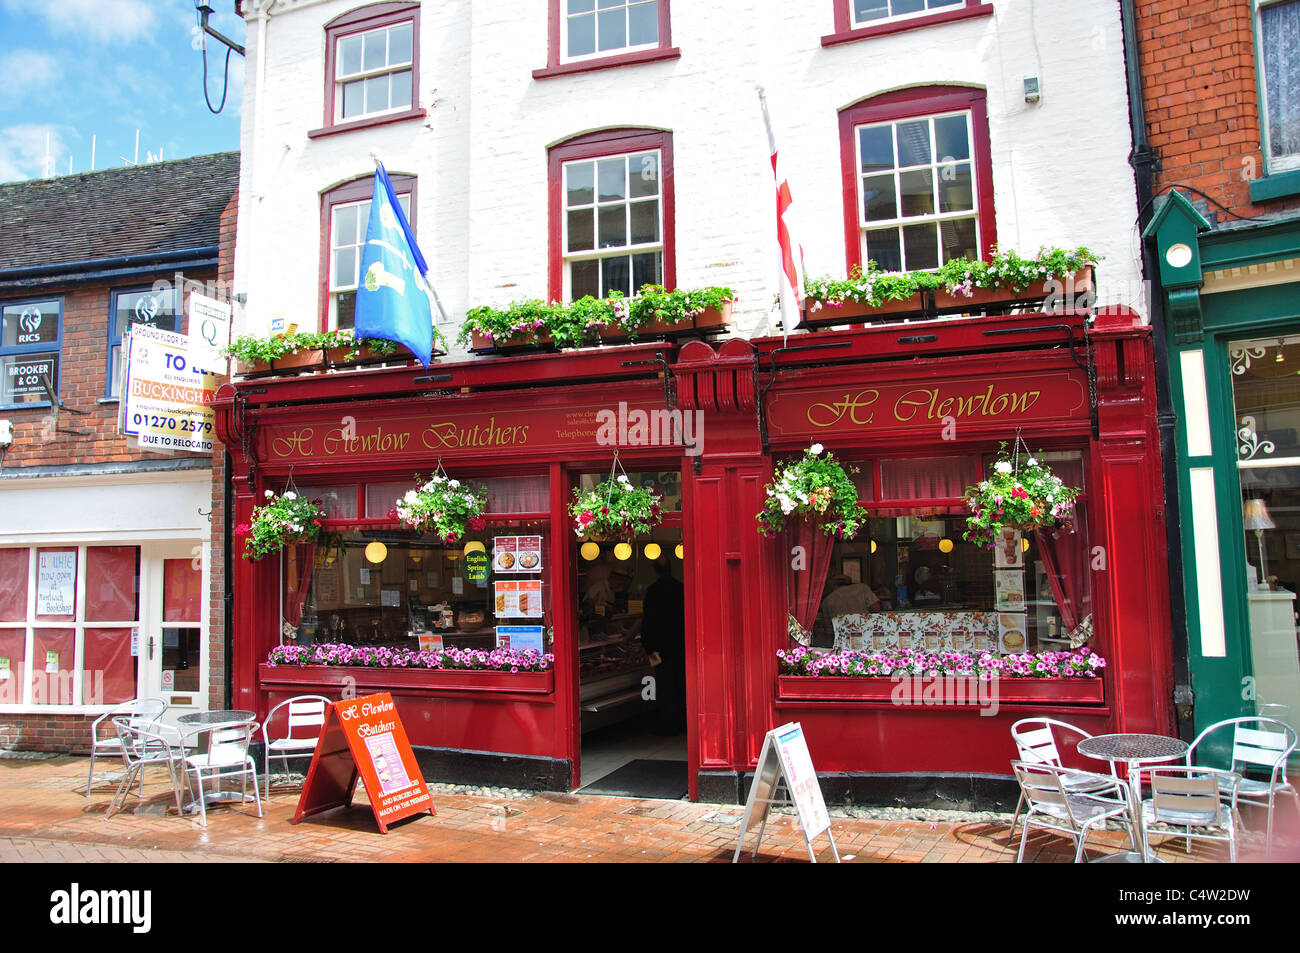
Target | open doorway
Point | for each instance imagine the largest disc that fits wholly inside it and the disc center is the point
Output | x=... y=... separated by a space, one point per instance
x=632 y=664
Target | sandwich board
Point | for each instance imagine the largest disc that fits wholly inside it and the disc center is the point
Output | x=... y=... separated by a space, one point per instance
x=363 y=737
x=785 y=775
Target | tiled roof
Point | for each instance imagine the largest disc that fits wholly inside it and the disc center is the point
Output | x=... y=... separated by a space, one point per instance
x=162 y=206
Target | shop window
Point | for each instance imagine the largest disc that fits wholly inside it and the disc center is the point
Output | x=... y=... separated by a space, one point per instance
x=372 y=66
x=66 y=618
x=918 y=182
x=337 y=502
x=155 y=308
x=666 y=483
x=1267 y=424
x=1277 y=31
x=31 y=340
x=611 y=214
x=390 y=587
x=345 y=215
x=595 y=34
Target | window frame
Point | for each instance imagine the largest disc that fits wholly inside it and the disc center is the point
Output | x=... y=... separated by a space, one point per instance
x=846 y=31
x=364 y=20
x=360 y=189
x=608 y=143
x=115 y=339
x=19 y=350
x=1272 y=165
x=917 y=103
x=558 y=63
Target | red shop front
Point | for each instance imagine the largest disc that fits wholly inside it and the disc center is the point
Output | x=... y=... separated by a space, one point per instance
x=919 y=409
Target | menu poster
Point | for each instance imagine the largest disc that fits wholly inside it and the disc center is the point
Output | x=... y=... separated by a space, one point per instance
x=521 y=638
x=1011 y=632
x=1010 y=589
x=387 y=763
x=428 y=642
x=56 y=583
x=517 y=554
x=4 y=668
x=519 y=598
x=1008 y=551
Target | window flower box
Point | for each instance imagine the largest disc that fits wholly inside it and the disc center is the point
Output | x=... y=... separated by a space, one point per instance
x=710 y=320
x=944 y=689
x=303 y=679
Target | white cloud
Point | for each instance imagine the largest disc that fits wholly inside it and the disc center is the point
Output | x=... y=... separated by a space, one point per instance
x=26 y=73
x=22 y=150
x=103 y=20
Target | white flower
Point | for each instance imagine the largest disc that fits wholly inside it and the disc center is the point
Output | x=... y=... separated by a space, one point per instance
x=290 y=495
x=622 y=478
x=411 y=497
x=815 y=449
x=1032 y=462
x=1002 y=466
x=453 y=483
x=269 y=494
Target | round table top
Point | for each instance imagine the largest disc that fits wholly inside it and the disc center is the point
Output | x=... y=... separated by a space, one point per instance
x=1133 y=747
x=217 y=717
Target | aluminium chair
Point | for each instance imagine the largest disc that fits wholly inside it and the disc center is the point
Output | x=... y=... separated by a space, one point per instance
x=1186 y=801
x=140 y=747
x=145 y=711
x=226 y=757
x=1036 y=744
x=306 y=717
x=1074 y=813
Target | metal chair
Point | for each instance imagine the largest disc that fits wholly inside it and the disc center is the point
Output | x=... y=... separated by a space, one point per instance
x=1186 y=802
x=147 y=710
x=1053 y=807
x=1256 y=743
x=1036 y=744
x=305 y=712
x=141 y=747
x=226 y=757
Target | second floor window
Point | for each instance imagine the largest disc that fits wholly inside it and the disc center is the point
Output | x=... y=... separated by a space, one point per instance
x=31 y=335
x=372 y=64
x=347 y=215
x=1278 y=32
x=614 y=215
x=867 y=12
x=140 y=306
x=605 y=27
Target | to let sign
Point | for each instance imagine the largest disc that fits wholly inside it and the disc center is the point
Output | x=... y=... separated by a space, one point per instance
x=168 y=401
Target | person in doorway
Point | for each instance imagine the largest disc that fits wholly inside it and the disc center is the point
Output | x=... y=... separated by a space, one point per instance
x=663 y=636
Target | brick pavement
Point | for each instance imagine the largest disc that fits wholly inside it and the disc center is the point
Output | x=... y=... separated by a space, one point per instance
x=45 y=817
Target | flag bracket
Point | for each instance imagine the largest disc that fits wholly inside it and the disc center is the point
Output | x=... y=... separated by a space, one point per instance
x=772 y=374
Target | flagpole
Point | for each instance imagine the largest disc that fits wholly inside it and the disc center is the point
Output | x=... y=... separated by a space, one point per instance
x=437 y=302
x=790 y=261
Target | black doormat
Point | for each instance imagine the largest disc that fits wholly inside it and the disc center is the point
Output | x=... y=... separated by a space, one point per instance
x=643 y=778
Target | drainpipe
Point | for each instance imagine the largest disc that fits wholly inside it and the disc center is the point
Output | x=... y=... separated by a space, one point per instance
x=1145 y=161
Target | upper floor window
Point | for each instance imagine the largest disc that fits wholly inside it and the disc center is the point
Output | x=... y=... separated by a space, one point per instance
x=372 y=63
x=611 y=214
x=136 y=306
x=866 y=12
x=345 y=214
x=31 y=337
x=917 y=178
x=592 y=34
x=1278 y=33
x=859 y=19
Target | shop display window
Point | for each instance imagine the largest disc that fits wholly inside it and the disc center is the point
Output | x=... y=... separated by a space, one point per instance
x=13 y=584
x=909 y=580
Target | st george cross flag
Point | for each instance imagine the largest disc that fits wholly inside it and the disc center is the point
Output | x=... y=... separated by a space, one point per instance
x=392 y=296
x=790 y=252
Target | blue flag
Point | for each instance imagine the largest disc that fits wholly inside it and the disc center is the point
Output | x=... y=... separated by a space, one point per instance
x=392 y=296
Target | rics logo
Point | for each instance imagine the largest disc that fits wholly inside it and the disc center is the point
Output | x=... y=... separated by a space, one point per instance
x=30 y=321
x=146 y=309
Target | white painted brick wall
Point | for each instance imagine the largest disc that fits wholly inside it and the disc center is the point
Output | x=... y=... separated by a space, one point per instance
x=1060 y=167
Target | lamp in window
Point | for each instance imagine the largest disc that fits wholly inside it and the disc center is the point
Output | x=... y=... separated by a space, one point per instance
x=652 y=551
x=376 y=552
x=680 y=551
x=623 y=551
x=945 y=545
x=1254 y=516
x=589 y=551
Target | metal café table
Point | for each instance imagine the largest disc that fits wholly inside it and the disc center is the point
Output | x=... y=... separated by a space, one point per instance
x=205 y=721
x=1134 y=750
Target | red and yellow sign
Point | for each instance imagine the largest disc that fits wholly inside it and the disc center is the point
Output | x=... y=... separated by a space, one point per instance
x=363 y=737
x=1005 y=400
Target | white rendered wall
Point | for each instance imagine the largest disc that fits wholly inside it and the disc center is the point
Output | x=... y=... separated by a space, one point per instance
x=1060 y=168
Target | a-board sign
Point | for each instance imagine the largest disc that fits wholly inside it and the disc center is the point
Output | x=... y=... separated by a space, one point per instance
x=784 y=765
x=363 y=737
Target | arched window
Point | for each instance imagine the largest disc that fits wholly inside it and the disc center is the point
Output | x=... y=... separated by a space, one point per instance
x=344 y=214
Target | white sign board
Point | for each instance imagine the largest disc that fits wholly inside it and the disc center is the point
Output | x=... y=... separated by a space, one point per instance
x=168 y=401
x=209 y=333
x=56 y=584
x=784 y=764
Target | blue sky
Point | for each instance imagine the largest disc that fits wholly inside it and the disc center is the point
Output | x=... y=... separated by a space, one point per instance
x=73 y=69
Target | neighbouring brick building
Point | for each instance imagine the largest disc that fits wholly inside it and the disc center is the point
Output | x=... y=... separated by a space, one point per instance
x=105 y=561
x=1219 y=187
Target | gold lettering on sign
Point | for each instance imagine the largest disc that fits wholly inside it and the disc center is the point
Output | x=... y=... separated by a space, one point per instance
x=927 y=400
x=828 y=415
x=381 y=441
x=294 y=444
x=448 y=435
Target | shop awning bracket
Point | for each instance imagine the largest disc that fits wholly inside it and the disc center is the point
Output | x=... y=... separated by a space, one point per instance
x=670 y=401
x=1085 y=364
x=762 y=397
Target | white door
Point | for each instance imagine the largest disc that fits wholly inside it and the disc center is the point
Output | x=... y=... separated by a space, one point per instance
x=173 y=642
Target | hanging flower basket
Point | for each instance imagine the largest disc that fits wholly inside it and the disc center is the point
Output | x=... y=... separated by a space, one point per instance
x=815 y=487
x=443 y=507
x=615 y=509
x=282 y=521
x=1020 y=493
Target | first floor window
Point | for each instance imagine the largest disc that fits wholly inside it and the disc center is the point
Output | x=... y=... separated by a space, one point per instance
x=372 y=60
x=867 y=12
x=1278 y=32
x=348 y=216
x=605 y=27
x=30 y=345
x=614 y=217
x=155 y=308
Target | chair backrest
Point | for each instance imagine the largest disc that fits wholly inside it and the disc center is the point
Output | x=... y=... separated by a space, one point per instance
x=144 y=710
x=150 y=708
x=138 y=742
x=306 y=712
x=1036 y=740
x=1042 y=787
x=1256 y=741
x=228 y=744
x=1185 y=795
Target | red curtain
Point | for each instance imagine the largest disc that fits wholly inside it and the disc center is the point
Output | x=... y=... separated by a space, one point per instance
x=112 y=583
x=110 y=667
x=1065 y=557
x=926 y=478
x=300 y=561
x=13 y=584
x=182 y=591
x=809 y=583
